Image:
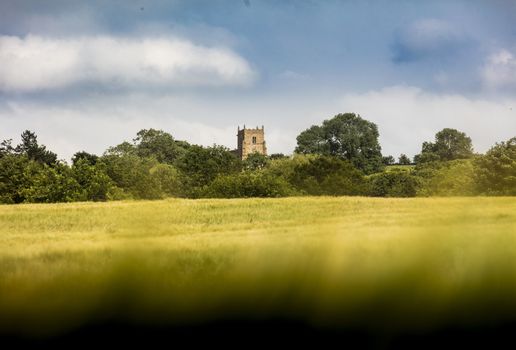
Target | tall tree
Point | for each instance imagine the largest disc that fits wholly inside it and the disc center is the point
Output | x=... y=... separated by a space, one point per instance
x=16 y=175
x=346 y=136
x=255 y=161
x=388 y=160
x=29 y=146
x=496 y=174
x=324 y=175
x=123 y=149
x=201 y=165
x=450 y=144
x=91 y=159
x=158 y=144
x=6 y=148
x=403 y=159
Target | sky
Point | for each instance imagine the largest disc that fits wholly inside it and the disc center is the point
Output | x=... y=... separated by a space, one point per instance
x=89 y=75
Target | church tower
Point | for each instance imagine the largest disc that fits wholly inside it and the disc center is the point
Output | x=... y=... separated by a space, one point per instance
x=250 y=141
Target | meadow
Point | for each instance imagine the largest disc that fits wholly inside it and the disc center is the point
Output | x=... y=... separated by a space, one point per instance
x=384 y=265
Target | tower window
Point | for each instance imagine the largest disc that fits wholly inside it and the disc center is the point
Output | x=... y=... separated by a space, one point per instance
x=254 y=140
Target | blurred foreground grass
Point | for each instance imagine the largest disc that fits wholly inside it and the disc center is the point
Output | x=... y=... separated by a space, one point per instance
x=382 y=264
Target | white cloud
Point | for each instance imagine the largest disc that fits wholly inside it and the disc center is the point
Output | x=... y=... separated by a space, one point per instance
x=500 y=70
x=407 y=116
x=102 y=121
x=95 y=129
x=37 y=63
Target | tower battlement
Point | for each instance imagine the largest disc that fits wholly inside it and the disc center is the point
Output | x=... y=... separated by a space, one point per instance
x=250 y=141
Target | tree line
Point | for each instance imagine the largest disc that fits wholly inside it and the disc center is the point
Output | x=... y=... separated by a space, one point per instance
x=342 y=156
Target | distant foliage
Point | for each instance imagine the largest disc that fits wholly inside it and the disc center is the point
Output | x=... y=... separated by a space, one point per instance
x=16 y=175
x=325 y=175
x=249 y=184
x=91 y=175
x=286 y=167
x=452 y=178
x=133 y=175
x=388 y=160
x=169 y=180
x=255 y=161
x=91 y=159
x=450 y=144
x=151 y=143
x=201 y=165
x=404 y=160
x=29 y=146
x=25 y=180
x=277 y=156
x=52 y=184
x=496 y=173
x=340 y=157
x=396 y=183
x=346 y=136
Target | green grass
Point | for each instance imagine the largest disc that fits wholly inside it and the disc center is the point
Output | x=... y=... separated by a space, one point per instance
x=386 y=264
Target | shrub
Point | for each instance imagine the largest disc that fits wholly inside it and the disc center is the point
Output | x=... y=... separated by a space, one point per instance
x=52 y=184
x=453 y=178
x=201 y=165
x=168 y=179
x=325 y=175
x=396 y=183
x=15 y=177
x=496 y=170
x=133 y=174
x=92 y=178
x=249 y=184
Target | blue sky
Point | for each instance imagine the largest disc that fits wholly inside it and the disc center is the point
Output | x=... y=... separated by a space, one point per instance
x=87 y=75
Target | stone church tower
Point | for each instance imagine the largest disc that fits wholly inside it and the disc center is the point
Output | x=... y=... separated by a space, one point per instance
x=250 y=141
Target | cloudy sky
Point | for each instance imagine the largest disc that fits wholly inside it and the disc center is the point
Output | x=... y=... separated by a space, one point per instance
x=88 y=75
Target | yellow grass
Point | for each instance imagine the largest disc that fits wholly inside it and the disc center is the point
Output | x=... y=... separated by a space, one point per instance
x=390 y=264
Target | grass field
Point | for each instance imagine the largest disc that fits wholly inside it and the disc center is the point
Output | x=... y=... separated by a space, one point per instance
x=391 y=265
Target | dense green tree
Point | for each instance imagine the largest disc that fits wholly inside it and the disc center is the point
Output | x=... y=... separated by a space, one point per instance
x=404 y=160
x=249 y=184
x=29 y=146
x=277 y=156
x=285 y=167
x=91 y=159
x=169 y=180
x=133 y=175
x=201 y=165
x=451 y=178
x=313 y=141
x=93 y=180
x=6 y=148
x=496 y=174
x=325 y=175
x=450 y=144
x=52 y=184
x=346 y=136
x=156 y=166
x=255 y=161
x=123 y=149
x=160 y=145
x=143 y=178
x=388 y=160
x=396 y=183
x=14 y=177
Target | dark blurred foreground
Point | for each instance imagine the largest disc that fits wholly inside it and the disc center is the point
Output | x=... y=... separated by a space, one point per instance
x=243 y=333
